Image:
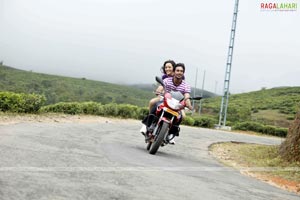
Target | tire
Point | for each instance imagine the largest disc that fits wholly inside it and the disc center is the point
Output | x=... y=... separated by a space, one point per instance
x=149 y=145
x=162 y=131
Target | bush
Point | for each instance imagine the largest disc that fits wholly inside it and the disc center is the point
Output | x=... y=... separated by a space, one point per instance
x=269 y=130
x=260 y=128
x=188 y=121
x=281 y=132
x=249 y=126
x=127 y=111
x=110 y=110
x=91 y=108
x=142 y=112
x=21 y=102
x=33 y=102
x=290 y=117
x=205 y=122
x=64 y=107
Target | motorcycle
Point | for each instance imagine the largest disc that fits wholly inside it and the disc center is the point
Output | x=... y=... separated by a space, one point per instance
x=163 y=129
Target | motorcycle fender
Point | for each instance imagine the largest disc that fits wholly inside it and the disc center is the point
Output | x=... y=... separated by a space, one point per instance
x=163 y=119
x=166 y=120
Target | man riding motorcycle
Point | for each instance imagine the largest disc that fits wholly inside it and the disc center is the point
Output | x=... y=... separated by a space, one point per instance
x=175 y=83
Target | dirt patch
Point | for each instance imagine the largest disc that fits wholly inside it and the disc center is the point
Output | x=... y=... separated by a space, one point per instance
x=285 y=184
x=57 y=118
x=226 y=154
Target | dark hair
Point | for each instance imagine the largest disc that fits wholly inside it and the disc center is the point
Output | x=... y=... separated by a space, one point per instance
x=168 y=61
x=180 y=65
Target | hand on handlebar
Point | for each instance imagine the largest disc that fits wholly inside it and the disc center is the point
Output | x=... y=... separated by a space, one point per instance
x=191 y=108
x=157 y=93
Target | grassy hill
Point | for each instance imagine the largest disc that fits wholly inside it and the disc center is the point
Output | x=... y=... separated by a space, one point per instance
x=151 y=88
x=66 y=89
x=276 y=106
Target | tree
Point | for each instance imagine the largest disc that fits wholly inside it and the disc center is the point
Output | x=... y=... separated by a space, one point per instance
x=290 y=148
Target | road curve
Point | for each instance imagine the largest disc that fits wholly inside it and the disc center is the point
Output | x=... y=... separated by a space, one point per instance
x=107 y=159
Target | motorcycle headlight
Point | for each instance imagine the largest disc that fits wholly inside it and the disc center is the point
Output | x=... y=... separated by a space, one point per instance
x=174 y=104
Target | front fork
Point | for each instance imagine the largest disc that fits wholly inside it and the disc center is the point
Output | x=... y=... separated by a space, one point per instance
x=162 y=119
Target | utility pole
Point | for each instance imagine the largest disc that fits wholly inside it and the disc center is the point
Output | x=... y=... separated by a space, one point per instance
x=195 y=89
x=225 y=97
x=202 y=93
x=216 y=84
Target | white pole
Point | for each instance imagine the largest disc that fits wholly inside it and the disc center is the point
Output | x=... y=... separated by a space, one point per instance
x=202 y=92
x=195 y=88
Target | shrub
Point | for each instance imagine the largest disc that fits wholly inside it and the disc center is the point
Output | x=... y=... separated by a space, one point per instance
x=33 y=102
x=21 y=102
x=257 y=127
x=188 y=121
x=290 y=117
x=91 y=108
x=250 y=126
x=142 y=112
x=110 y=110
x=281 y=132
x=127 y=111
x=64 y=107
x=205 y=122
x=269 y=130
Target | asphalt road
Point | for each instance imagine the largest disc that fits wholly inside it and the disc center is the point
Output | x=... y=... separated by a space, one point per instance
x=108 y=160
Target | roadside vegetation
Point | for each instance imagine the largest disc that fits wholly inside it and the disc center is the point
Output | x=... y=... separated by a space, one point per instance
x=260 y=161
x=65 y=89
x=278 y=164
x=269 y=111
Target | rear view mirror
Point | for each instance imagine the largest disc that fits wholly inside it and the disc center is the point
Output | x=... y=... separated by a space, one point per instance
x=196 y=98
x=160 y=81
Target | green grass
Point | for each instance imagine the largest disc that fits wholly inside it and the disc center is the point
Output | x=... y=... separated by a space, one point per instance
x=243 y=155
x=273 y=117
x=275 y=106
x=65 y=89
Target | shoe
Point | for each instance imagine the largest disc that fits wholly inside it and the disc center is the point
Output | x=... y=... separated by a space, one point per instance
x=171 y=139
x=143 y=129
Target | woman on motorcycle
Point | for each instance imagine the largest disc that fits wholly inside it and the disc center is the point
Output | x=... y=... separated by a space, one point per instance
x=168 y=71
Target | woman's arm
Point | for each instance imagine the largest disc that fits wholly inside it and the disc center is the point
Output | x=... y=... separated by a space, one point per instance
x=159 y=90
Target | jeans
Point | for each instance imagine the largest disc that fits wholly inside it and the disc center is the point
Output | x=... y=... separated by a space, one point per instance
x=151 y=117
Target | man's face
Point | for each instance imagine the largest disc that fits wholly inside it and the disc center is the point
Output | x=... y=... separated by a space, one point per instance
x=179 y=72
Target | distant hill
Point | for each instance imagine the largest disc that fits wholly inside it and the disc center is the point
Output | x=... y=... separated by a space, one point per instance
x=66 y=89
x=276 y=106
x=152 y=87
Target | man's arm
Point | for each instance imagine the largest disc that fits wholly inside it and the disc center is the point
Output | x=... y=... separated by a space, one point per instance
x=188 y=101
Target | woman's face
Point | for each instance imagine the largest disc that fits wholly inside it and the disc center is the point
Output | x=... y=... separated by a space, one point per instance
x=169 y=69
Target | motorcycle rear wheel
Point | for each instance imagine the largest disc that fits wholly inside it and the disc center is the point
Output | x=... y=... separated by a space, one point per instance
x=158 y=140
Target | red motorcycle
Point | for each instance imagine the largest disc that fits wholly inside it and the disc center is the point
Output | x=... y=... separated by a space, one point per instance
x=167 y=115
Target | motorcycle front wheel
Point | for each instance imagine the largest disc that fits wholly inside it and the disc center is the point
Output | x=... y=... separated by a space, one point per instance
x=149 y=145
x=159 y=138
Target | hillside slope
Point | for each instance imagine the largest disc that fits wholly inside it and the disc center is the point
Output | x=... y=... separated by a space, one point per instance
x=66 y=89
x=276 y=106
x=198 y=92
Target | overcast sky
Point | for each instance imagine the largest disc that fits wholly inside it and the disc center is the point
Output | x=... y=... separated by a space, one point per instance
x=127 y=41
